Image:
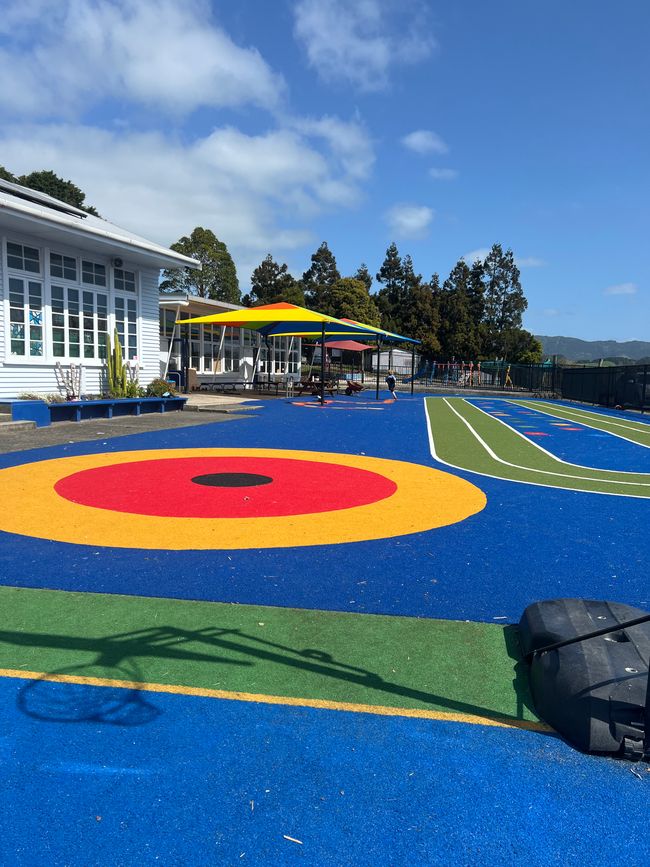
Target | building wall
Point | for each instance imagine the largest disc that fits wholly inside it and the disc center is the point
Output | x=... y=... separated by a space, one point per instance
x=36 y=374
x=2 y=311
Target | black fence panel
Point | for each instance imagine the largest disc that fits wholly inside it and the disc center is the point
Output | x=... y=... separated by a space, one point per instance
x=627 y=387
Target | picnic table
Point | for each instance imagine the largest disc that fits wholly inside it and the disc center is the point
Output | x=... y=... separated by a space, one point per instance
x=314 y=387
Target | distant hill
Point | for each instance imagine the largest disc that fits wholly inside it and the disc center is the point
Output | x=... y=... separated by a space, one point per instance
x=591 y=350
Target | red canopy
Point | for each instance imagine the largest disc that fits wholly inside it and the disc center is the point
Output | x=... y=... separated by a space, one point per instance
x=352 y=345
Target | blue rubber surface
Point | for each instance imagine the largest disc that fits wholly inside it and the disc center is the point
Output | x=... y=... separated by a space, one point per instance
x=576 y=544
x=577 y=443
x=207 y=782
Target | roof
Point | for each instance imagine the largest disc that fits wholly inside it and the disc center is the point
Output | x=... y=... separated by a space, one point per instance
x=349 y=345
x=36 y=213
x=187 y=299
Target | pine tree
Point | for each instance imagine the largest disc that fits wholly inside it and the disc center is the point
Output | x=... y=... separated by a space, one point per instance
x=458 y=328
x=364 y=276
x=318 y=279
x=218 y=277
x=271 y=283
x=389 y=297
x=504 y=301
x=419 y=314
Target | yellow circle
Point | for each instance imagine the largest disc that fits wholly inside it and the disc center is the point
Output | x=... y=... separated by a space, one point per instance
x=425 y=498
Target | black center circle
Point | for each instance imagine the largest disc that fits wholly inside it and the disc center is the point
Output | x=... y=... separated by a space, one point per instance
x=232 y=480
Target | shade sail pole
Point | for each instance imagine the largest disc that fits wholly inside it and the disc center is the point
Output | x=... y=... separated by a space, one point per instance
x=322 y=365
x=269 y=361
x=378 y=357
x=412 y=367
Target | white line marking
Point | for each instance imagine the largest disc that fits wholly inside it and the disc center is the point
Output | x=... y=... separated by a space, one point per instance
x=436 y=457
x=595 y=417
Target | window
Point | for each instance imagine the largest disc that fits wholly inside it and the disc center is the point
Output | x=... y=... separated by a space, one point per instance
x=65 y=322
x=195 y=346
x=231 y=350
x=292 y=357
x=124 y=281
x=167 y=322
x=284 y=356
x=126 y=322
x=93 y=273
x=63 y=267
x=211 y=340
x=79 y=319
x=25 y=317
x=23 y=258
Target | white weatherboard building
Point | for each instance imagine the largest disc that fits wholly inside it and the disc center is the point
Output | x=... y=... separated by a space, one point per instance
x=67 y=281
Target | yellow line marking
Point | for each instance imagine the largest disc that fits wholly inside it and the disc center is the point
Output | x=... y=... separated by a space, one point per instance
x=291 y=701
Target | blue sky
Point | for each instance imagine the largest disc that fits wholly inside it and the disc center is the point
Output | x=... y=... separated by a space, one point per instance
x=278 y=124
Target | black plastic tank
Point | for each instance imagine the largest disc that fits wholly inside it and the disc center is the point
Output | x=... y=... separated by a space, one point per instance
x=593 y=691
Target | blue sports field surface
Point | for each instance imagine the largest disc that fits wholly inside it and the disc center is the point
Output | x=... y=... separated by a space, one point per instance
x=184 y=779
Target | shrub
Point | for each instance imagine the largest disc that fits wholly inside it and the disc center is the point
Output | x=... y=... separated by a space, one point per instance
x=160 y=388
x=133 y=389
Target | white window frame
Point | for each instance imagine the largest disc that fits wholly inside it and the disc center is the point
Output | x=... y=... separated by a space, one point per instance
x=47 y=281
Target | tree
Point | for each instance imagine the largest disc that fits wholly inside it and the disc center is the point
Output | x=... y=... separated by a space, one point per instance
x=318 y=279
x=523 y=347
x=504 y=301
x=363 y=275
x=52 y=185
x=271 y=283
x=7 y=176
x=218 y=277
x=389 y=297
x=351 y=300
x=458 y=328
x=419 y=317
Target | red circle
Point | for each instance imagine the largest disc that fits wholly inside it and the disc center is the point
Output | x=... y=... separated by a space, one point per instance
x=164 y=488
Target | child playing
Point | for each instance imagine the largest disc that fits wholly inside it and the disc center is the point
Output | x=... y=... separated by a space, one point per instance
x=391 y=382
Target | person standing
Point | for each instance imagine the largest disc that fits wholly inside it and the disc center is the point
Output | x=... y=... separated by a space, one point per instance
x=391 y=382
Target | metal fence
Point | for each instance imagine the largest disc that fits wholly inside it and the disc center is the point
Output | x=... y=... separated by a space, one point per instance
x=626 y=387
x=488 y=375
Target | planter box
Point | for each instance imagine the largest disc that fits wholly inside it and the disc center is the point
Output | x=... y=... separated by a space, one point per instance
x=77 y=410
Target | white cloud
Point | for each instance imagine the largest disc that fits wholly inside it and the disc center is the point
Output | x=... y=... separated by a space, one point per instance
x=348 y=141
x=170 y=56
x=443 y=174
x=255 y=192
x=359 y=42
x=409 y=221
x=529 y=262
x=471 y=257
x=424 y=141
x=520 y=262
x=622 y=289
x=550 y=312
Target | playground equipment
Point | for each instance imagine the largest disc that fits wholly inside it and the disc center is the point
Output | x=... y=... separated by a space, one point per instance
x=426 y=372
